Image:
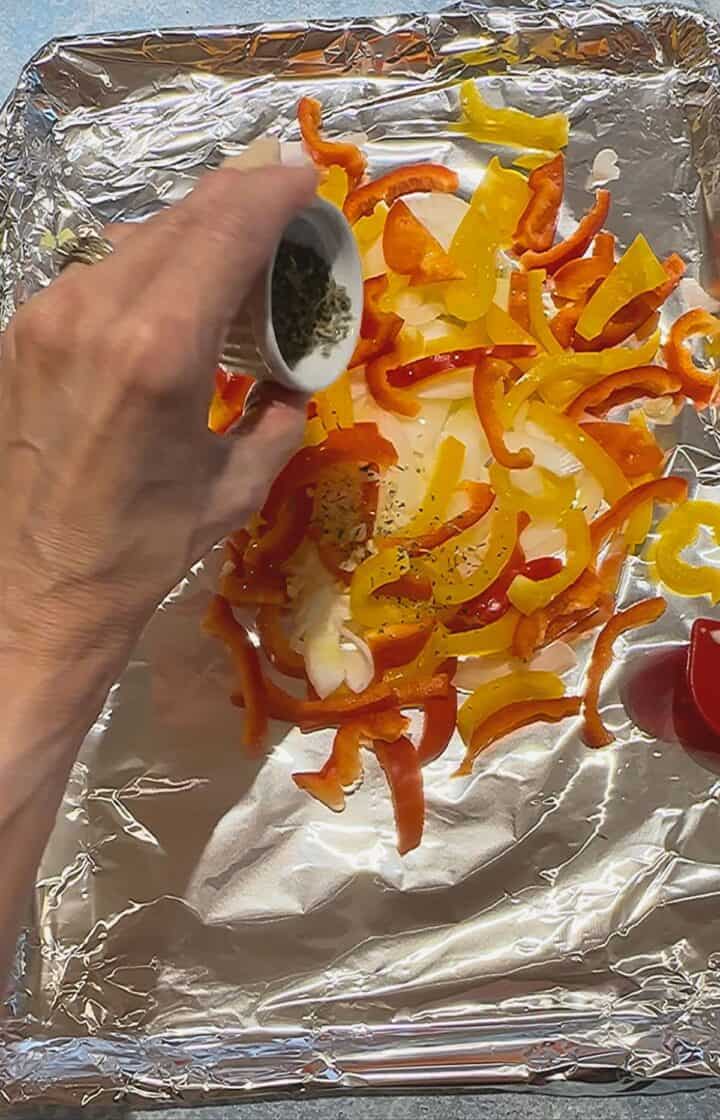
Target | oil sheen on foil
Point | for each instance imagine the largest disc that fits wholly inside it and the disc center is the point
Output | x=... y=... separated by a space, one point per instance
x=200 y=926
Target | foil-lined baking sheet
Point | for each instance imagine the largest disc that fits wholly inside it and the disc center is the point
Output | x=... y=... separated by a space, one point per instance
x=201 y=927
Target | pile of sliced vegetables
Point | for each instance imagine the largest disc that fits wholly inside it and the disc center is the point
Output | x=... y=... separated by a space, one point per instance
x=470 y=488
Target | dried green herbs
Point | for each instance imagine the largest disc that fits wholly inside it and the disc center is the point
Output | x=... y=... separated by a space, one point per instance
x=310 y=311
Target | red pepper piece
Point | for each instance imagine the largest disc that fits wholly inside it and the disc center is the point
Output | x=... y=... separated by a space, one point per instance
x=222 y=624
x=494 y=603
x=360 y=444
x=634 y=449
x=275 y=643
x=402 y=769
x=440 y=717
x=574 y=245
x=594 y=732
x=646 y=381
x=226 y=406
x=279 y=540
x=411 y=250
x=636 y=313
x=488 y=372
x=538 y=222
x=404 y=180
x=703 y=670
x=518 y=300
x=409 y=586
x=396 y=645
x=696 y=383
x=522 y=713
x=563 y=324
x=404 y=377
x=328 y=152
x=378 y=329
x=670 y=489
x=382 y=392
x=481 y=499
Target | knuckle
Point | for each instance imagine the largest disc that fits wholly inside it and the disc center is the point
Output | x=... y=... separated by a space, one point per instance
x=144 y=352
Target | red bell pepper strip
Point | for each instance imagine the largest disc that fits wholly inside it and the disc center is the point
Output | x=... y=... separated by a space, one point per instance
x=226 y=406
x=518 y=300
x=396 y=645
x=244 y=590
x=411 y=585
x=404 y=377
x=221 y=623
x=382 y=392
x=404 y=180
x=522 y=713
x=672 y=490
x=582 y=596
x=646 y=381
x=637 y=312
x=696 y=383
x=279 y=540
x=440 y=717
x=576 y=279
x=378 y=328
x=360 y=444
x=411 y=250
x=574 y=245
x=538 y=222
x=328 y=152
x=494 y=602
x=343 y=768
x=481 y=499
x=594 y=732
x=489 y=373
x=634 y=449
x=401 y=767
x=275 y=643
x=563 y=324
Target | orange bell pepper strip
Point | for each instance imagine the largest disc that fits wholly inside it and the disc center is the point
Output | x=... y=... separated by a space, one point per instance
x=594 y=732
x=323 y=152
x=383 y=393
x=228 y=401
x=581 y=597
x=647 y=381
x=275 y=643
x=396 y=645
x=538 y=222
x=403 y=180
x=574 y=245
x=563 y=324
x=671 y=490
x=487 y=386
x=440 y=717
x=637 y=312
x=280 y=539
x=522 y=713
x=411 y=250
x=576 y=279
x=243 y=590
x=481 y=499
x=410 y=585
x=360 y=444
x=518 y=300
x=408 y=375
x=221 y=623
x=378 y=328
x=696 y=383
x=401 y=766
x=633 y=448
x=343 y=769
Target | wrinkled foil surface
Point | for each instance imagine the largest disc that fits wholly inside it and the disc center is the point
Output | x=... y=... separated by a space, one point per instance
x=200 y=926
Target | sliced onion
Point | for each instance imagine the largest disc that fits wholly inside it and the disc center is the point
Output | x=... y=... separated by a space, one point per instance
x=412 y=306
x=558 y=658
x=553 y=456
x=358 y=661
x=456 y=385
x=465 y=426
x=474 y=672
x=542 y=538
x=441 y=214
x=661 y=410
x=604 y=168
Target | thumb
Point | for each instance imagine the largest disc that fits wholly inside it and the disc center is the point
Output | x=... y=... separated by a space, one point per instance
x=259 y=445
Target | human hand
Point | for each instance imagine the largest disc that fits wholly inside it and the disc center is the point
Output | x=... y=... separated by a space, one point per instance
x=110 y=483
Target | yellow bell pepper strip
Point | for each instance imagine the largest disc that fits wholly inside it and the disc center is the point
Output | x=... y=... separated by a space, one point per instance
x=335 y=186
x=384 y=567
x=441 y=486
x=594 y=732
x=539 y=326
x=643 y=381
x=487 y=394
x=670 y=489
x=521 y=684
x=335 y=405
x=583 y=447
x=442 y=644
x=328 y=152
x=638 y=271
x=696 y=383
x=419 y=177
x=442 y=564
x=511 y=127
x=677 y=532
x=631 y=318
x=518 y=299
x=557 y=494
x=488 y=225
x=503 y=330
x=480 y=499
x=558 y=390
x=411 y=250
x=512 y=718
x=528 y=161
x=529 y=595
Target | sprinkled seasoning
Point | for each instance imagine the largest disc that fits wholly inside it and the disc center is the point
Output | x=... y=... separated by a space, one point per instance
x=310 y=310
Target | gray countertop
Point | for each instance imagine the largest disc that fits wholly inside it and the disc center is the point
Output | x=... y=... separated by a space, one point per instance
x=27 y=24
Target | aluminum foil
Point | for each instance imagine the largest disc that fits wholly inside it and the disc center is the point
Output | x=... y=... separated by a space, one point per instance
x=201 y=927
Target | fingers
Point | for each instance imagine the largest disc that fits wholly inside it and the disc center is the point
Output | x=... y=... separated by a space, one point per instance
x=260 y=444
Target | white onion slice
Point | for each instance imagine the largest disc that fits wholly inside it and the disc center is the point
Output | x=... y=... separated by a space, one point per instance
x=558 y=658
x=456 y=385
x=474 y=672
x=412 y=306
x=542 y=538
x=358 y=660
x=604 y=168
x=441 y=214
x=465 y=426
x=660 y=410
